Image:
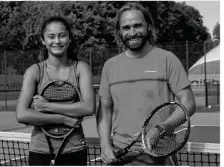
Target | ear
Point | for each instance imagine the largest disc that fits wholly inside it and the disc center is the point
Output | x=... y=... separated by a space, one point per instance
x=120 y=35
x=42 y=40
x=149 y=28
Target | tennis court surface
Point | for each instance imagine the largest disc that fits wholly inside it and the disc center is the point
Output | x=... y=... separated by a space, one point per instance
x=14 y=148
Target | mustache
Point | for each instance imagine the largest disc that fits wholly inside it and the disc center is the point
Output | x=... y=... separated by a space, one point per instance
x=129 y=37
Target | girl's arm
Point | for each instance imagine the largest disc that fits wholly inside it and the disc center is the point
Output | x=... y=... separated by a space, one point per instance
x=86 y=107
x=25 y=114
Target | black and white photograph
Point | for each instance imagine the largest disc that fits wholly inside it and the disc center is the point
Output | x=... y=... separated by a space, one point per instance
x=110 y=83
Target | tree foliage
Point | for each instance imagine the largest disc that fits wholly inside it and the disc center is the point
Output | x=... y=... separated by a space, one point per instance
x=92 y=23
x=216 y=31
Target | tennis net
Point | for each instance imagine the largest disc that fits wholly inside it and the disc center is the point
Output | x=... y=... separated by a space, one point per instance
x=14 y=148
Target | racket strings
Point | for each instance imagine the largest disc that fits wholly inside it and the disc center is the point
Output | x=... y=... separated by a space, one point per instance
x=59 y=92
x=156 y=143
x=63 y=93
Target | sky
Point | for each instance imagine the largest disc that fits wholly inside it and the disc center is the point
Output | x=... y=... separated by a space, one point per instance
x=210 y=10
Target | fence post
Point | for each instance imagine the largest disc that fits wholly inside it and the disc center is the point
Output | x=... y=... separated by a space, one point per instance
x=187 y=56
x=90 y=59
x=218 y=93
x=205 y=76
x=6 y=106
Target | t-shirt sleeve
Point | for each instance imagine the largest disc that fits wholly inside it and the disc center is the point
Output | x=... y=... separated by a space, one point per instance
x=104 y=90
x=177 y=75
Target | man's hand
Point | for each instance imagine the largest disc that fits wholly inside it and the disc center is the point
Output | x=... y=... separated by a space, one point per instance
x=153 y=137
x=107 y=154
x=155 y=140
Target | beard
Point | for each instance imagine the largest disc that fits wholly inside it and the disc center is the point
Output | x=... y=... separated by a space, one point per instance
x=135 y=43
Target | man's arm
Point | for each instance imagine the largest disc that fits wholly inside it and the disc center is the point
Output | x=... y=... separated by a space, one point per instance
x=180 y=86
x=104 y=121
x=186 y=98
x=104 y=125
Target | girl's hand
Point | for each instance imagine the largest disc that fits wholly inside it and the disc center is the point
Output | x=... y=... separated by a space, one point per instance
x=39 y=103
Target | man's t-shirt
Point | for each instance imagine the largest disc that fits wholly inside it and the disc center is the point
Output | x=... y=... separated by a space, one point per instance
x=137 y=86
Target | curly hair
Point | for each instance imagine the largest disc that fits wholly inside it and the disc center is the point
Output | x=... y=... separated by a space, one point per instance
x=70 y=52
x=147 y=15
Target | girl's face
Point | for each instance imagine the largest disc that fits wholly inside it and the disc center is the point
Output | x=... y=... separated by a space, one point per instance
x=56 y=39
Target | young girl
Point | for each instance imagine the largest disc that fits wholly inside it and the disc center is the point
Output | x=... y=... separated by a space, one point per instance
x=59 y=63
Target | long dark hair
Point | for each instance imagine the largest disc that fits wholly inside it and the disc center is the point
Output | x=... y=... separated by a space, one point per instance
x=147 y=15
x=71 y=48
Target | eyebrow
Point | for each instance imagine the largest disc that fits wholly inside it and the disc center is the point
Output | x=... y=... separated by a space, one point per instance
x=50 y=33
x=135 y=24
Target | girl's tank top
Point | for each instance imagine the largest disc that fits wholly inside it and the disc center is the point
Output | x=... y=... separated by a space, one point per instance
x=76 y=140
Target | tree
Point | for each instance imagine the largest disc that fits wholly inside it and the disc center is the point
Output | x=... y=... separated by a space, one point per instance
x=216 y=31
x=92 y=24
x=177 y=22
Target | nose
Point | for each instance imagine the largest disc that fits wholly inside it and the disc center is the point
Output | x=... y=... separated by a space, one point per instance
x=57 y=40
x=132 y=31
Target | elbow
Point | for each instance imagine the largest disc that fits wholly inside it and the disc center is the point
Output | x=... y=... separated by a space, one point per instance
x=20 y=117
x=90 y=109
x=192 y=108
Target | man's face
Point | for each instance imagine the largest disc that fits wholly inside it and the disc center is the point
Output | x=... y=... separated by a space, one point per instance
x=133 y=29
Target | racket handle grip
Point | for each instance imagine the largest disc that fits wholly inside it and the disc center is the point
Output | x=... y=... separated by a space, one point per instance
x=120 y=153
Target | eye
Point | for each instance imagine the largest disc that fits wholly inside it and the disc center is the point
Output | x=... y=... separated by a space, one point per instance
x=125 y=28
x=51 y=36
x=63 y=35
x=138 y=25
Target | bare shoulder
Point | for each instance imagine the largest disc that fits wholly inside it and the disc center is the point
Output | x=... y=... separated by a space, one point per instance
x=82 y=66
x=32 y=72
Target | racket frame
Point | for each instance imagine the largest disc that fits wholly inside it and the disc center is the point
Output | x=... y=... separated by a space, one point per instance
x=187 y=122
x=125 y=150
x=64 y=136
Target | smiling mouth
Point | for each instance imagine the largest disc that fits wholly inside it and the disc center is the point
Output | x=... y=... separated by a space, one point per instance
x=57 y=47
x=135 y=40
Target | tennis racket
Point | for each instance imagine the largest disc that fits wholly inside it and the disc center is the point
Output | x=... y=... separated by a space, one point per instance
x=164 y=132
x=59 y=92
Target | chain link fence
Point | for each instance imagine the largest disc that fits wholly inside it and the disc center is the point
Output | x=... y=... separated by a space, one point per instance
x=14 y=63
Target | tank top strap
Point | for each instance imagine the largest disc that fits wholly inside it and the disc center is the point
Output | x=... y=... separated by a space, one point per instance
x=74 y=66
x=41 y=73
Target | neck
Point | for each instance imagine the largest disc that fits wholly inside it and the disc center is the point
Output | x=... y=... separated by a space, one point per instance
x=57 y=62
x=141 y=53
